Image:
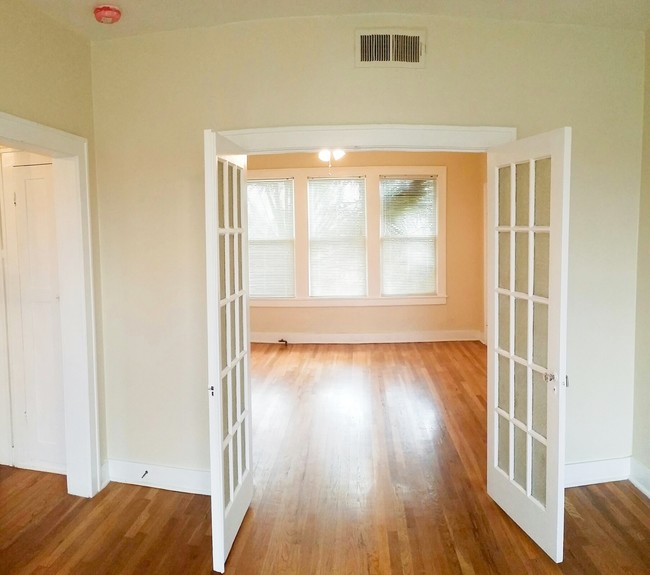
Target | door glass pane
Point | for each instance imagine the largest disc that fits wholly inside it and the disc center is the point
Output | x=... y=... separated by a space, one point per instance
x=521 y=328
x=503 y=455
x=539 y=472
x=540 y=334
x=224 y=408
x=521 y=262
x=522 y=200
x=231 y=199
x=504 y=196
x=244 y=456
x=233 y=396
x=220 y=195
x=233 y=331
x=236 y=264
x=235 y=459
x=504 y=384
x=520 y=457
x=539 y=403
x=541 y=264
x=504 y=322
x=543 y=192
x=222 y=265
x=239 y=174
x=242 y=326
x=235 y=391
x=226 y=474
x=521 y=393
x=233 y=262
x=504 y=260
x=240 y=268
x=222 y=337
x=241 y=382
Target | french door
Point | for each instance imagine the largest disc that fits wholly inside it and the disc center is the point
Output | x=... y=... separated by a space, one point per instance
x=528 y=199
x=228 y=346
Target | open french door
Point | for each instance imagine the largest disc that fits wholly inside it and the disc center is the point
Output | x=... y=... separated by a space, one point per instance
x=228 y=341
x=528 y=199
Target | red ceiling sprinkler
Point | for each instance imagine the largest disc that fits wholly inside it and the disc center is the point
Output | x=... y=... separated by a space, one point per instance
x=107 y=14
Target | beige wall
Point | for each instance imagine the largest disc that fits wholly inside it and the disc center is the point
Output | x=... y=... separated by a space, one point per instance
x=642 y=388
x=463 y=311
x=45 y=73
x=153 y=96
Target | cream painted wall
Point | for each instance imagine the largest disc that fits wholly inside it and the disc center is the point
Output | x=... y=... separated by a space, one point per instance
x=45 y=71
x=46 y=78
x=153 y=96
x=642 y=387
x=466 y=176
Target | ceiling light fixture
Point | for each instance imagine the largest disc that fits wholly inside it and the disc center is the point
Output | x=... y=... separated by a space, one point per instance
x=107 y=14
x=329 y=155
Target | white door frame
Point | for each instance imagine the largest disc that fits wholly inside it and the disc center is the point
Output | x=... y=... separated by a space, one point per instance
x=366 y=137
x=72 y=213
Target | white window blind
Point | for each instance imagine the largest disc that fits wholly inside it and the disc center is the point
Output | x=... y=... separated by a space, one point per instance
x=337 y=237
x=271 y=238
x=409 y=231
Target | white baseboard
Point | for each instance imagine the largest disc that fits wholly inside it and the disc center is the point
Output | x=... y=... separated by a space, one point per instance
x=171 y=478
x=195 y=481
x=105 y=477
x=397 y=337
x=590 y=472
x=640 y=477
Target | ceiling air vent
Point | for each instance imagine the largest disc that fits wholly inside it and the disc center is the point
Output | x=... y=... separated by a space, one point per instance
x=390 y=47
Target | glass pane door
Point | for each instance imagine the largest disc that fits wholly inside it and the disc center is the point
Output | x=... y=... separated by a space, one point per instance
x=527 y=249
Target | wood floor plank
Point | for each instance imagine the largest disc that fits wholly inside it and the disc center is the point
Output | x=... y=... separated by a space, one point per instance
x=368 y=459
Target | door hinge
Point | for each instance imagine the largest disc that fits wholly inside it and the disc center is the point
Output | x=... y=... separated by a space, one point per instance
x=566 y=381
x=211 y=389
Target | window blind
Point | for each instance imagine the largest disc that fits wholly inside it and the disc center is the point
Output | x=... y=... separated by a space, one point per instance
x=337 y=237
x=409 y=231
x=271 y=238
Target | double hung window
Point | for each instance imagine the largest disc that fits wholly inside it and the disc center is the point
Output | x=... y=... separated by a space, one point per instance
x=408 y=236
x=337 y=237
x=271 y=238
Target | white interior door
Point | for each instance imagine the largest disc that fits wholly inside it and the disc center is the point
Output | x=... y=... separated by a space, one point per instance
x=228 y=346
x=32 y=303
x=528 y=199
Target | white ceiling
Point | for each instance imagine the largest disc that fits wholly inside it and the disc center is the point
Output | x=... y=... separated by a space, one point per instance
x=144 y=16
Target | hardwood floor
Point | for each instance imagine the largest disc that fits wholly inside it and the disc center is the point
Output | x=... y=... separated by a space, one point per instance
x=367 y=459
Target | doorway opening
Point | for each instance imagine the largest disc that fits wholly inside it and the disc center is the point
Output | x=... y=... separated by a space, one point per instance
x=512 y=155
x=29 y=302
x=69 y=155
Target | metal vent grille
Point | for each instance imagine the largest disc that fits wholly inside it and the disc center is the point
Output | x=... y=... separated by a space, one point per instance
x=404 y=48
x=375 y=48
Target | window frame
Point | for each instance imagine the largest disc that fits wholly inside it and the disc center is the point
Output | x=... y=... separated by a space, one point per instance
x=372 y=175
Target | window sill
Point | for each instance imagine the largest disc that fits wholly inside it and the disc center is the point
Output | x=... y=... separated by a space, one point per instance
x=349 y=302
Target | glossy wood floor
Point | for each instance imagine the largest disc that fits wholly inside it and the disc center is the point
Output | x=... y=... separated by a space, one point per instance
x=368 y=459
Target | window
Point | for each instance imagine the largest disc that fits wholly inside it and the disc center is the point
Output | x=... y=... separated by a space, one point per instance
x=337 y=237
x=271 y=238
x=360 y=236
x=408 y=236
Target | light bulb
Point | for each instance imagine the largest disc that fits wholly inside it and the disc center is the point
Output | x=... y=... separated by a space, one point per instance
x=324 y=155
x=338 y=154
